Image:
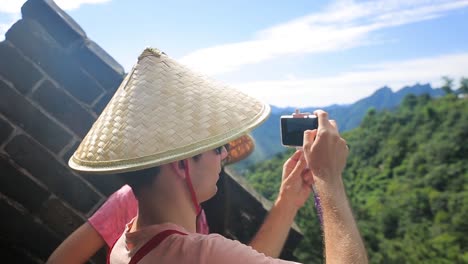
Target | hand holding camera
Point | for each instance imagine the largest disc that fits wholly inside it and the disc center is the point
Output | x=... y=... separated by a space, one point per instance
x=325 y=152
x=324 y=149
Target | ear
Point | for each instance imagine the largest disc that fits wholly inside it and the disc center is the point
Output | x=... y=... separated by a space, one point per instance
x=179 y=168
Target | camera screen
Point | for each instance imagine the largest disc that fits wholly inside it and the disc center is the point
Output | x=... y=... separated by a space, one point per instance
x=292 y=130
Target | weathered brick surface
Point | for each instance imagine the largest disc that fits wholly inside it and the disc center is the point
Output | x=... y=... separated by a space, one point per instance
x=59 y=179
x=106 y=184
x=21 y=112
x=99 y=64
x=12 y=254
x=102 y=103
x=64 y=108
x=100 y=257
x=19 y=187
x=245 y=214
x=59 y=217
x=53 y=59
x=22 y=230
x=67 y=155
x=5 y=130
x=16 y=69
x=58 y=23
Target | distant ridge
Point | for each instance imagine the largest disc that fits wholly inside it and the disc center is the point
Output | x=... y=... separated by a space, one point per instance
x=267 y=136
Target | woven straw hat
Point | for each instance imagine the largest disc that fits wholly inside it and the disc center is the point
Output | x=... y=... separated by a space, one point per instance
x=164 y=112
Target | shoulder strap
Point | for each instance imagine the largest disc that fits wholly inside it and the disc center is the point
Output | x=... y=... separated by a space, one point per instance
x=152 y=244
x=148 y=246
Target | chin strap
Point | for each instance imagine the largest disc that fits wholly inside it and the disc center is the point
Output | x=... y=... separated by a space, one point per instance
x=192 y=191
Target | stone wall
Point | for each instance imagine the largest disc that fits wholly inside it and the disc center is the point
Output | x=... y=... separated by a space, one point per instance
x=54 y=82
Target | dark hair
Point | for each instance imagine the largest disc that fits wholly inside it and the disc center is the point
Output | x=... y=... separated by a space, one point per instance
x=140 y=178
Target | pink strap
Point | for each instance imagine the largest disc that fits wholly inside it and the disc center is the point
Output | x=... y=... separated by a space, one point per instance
x=190 y=186
x=150 y=245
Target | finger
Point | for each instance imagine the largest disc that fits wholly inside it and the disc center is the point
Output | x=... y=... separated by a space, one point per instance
x=322 y=118
x=295 y=157
x=334 y=124
x=299 y=168
x=291 y=162
x=309 y=138
x=343 y=141
x=307 y=176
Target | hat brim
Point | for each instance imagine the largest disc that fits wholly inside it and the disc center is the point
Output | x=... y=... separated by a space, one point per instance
x=164 y=112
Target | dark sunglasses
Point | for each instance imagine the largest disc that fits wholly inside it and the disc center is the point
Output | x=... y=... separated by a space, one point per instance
x=219 y=150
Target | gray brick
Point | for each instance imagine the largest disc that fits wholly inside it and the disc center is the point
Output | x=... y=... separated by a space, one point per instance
x=19 y=187
x=100 y=257
x=12 y=254
x=58 y=178
x=16 y=69
x=53 y=59
x=58 y=23
x=59 y=217
x=64 y=108
x=21 y=230
x=99 y=64
x=21 y=112
x=5 y=130
x=102 y=103
x=106 y=184
x=70 y=152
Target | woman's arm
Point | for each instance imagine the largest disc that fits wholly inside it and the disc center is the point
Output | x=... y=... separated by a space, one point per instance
x=293 y=194
x=79 y=247
x=104 y=227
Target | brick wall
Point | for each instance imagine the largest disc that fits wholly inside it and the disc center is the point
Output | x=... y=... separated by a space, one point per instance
x=54 y=82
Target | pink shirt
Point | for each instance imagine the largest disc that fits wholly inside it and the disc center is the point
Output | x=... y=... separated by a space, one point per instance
x=110 y=220
x=191 y=248
x=121 y=207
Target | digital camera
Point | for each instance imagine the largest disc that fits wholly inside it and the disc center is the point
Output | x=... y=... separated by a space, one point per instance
x=293 y=127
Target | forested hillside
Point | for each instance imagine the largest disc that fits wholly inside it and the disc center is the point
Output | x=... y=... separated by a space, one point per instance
x=407 y=181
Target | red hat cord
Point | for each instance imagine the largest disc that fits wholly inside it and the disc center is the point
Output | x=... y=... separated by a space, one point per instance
x=191 y=189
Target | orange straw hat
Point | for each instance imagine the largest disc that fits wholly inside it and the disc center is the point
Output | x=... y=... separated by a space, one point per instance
x=164 y=112
x=239 y=149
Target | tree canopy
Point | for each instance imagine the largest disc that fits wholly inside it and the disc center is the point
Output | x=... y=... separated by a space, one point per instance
x=407 y=182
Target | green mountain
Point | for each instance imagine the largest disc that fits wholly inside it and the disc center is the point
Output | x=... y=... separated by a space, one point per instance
x=267 y=136
x=407 y=181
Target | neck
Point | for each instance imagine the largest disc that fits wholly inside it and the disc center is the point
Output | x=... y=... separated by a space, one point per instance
x=168 y=201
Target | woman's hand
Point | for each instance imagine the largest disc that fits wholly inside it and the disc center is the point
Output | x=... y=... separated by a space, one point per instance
x=296 y=184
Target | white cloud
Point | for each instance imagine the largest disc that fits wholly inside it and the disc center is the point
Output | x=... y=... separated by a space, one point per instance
x=74 y=4
x=14 y=6
x=348 y=87
x=343 y=25
x=12 y=10
x=4 y=28
x=11 y=6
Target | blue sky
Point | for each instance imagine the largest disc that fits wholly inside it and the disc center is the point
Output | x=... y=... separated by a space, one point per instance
x=288 y=53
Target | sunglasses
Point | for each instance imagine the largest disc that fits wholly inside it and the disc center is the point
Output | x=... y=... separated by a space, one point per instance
x=219 y=149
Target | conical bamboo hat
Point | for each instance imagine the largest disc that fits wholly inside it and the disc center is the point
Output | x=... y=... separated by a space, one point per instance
x=164 y=112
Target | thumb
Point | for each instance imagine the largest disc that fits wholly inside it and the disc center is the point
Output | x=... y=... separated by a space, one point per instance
x=299 y=168
x=292 y=162
x=309 y=138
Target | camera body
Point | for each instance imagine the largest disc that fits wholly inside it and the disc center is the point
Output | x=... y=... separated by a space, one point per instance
x=293 y=127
